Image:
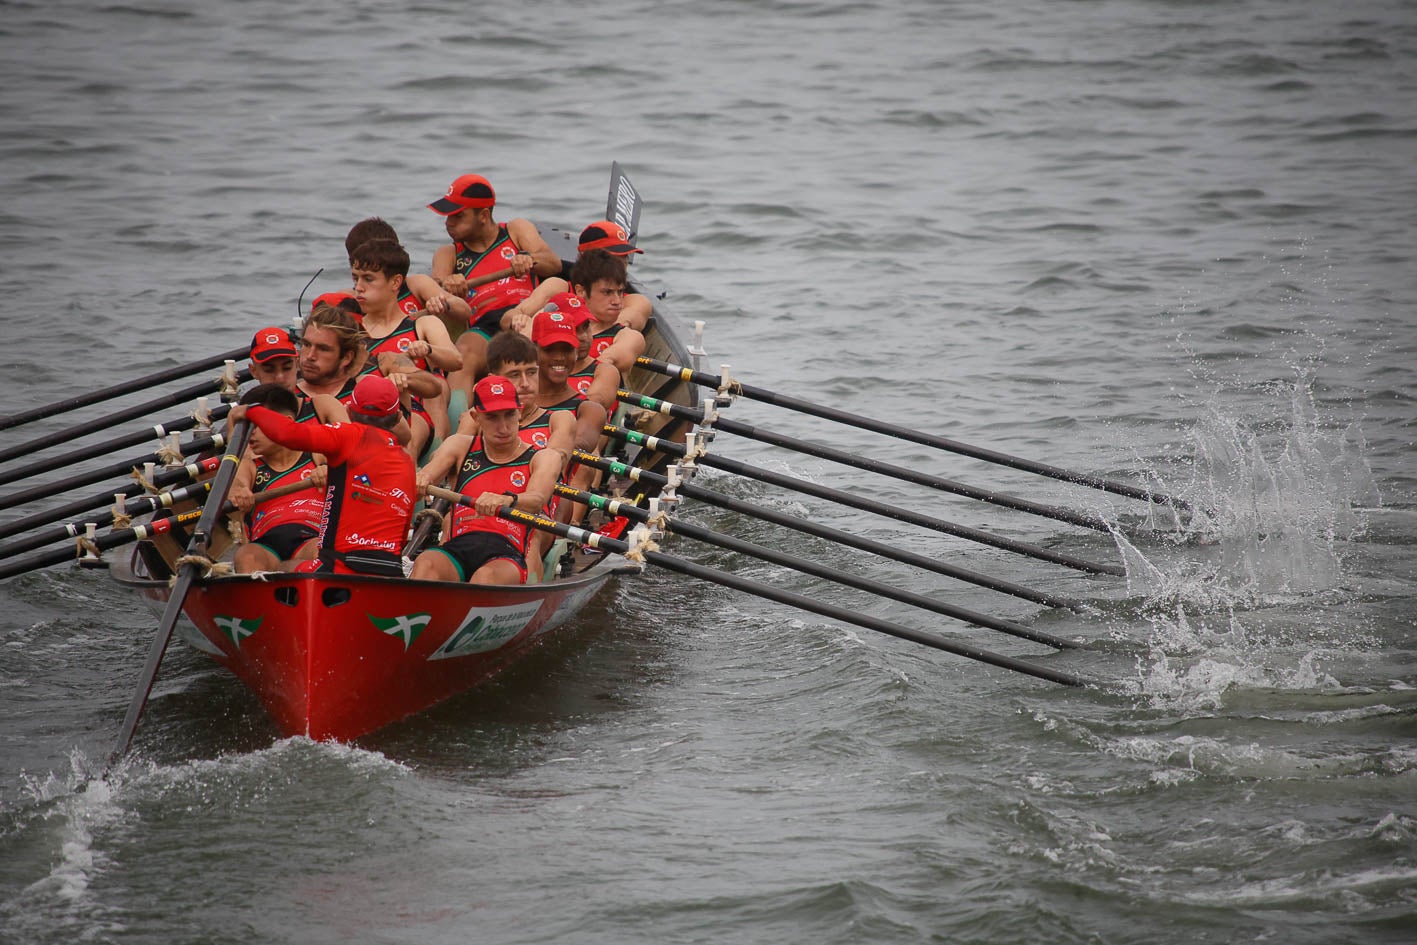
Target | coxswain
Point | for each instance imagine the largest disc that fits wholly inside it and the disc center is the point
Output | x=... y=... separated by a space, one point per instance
x=481 y=246
x=499 y=470
x=379 y=269
x=371 y=480
x=280 y=532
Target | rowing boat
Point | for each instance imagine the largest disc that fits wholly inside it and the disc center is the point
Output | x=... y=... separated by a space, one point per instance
x=334 y=657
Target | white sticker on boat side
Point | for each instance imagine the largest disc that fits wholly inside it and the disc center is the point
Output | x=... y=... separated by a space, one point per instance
x=486 y=628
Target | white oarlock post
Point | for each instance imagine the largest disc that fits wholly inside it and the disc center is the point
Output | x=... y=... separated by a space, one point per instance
x=657 y=516
x=202 y=415
x=724 y=395
x=673 y=479
x=228 y=381
x=696 y=347
x=90 y=557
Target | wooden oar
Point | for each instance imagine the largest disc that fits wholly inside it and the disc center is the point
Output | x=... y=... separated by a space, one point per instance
x=187 y=574
x=213 y=441
x=730 y=543
x=158 y=431
x=122 y=416
x=913 y=436
x=124 y=536
x=118 y=390
x=166 y=476
x=861 y=462
x=854 y=501
x=590 y=539
x=708 y=496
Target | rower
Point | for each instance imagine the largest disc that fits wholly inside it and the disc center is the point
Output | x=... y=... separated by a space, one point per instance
x=371 y=487
x=273 y=359
x=281 y=532
x=481 y=246
x=610 y=237
x=598 y=278
x=419 y=293
x=555 y=337
x=333 y=357
x=379 y=269
x=514 y=356
x=502 y=471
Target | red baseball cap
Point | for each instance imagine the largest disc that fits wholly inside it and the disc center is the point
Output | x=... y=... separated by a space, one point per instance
x=340 y=300
x=548 y=328
x=374 y=396
x=271 y=343
x=606 y=235
x=494 y=392
x=468 y=191
x=568 y=303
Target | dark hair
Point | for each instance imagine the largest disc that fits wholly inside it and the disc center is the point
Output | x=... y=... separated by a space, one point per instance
x=385 y=256
x=274 y=397
x=594 y=265
x=362 y=232
x=384 y=422
x=509 y=347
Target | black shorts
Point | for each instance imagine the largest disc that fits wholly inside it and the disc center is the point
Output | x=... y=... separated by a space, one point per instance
x=489 y=323
x=285 y=540
x=471 y=551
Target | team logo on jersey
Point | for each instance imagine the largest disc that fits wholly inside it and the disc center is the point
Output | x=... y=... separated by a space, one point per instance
x=538 y=440
x=363 y=479
x=508 y=251
x=518 y=478
x=404 y=345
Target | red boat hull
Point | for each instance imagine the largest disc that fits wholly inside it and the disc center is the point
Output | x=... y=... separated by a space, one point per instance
x=336 y=657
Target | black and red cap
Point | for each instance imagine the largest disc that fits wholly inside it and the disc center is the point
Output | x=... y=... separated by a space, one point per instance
x=470 y=191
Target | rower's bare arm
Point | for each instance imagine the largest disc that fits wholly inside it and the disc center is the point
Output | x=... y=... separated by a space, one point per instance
x=409 y=376
x=436 y=470
x=590 y=423
x=534 y=303
x=604 y=384
x=524 y=234
x=561 y=435
x=442 y=353
x=328 y=409
x=241 y=495
x=436 y=300
x=545 y=470
x=467 y=424
x=635 y=311
x=443 y=259
x=628 y=345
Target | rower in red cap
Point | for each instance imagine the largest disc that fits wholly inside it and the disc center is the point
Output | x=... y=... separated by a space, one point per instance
x=502 y=471
x=481 y=247
x=371 y=479
x=608 y=237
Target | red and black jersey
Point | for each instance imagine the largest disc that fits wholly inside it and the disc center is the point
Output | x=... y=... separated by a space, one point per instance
x=478 y=474
x=505 y=292
x=298 y=508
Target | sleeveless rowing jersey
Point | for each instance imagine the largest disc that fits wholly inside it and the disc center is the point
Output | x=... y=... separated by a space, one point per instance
x=404 y=334
x=604 y=339
x=479 y=474
x=570 y=403
x=298 y=508
x=407 y=302
x=536 y=432
x=502 y=294
x=580 y=381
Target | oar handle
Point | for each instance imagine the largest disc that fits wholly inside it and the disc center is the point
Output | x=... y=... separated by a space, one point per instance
x=913 y=436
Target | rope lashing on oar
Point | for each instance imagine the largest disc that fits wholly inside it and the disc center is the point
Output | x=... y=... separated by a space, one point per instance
x=214 y=441
x=153 y=483
x=118 y=390
x=708 y=496
x=867 y=505
x=730 y=543
x=710 y=416
x=802 y=602
x=913 y=436
x=209 y=568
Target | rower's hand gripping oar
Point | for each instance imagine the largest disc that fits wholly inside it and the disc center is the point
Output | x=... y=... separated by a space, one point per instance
x=187 y=574
x=914 y=436
x=671 y=563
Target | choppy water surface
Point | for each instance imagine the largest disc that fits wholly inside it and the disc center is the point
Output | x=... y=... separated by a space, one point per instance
x=1170 y=243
